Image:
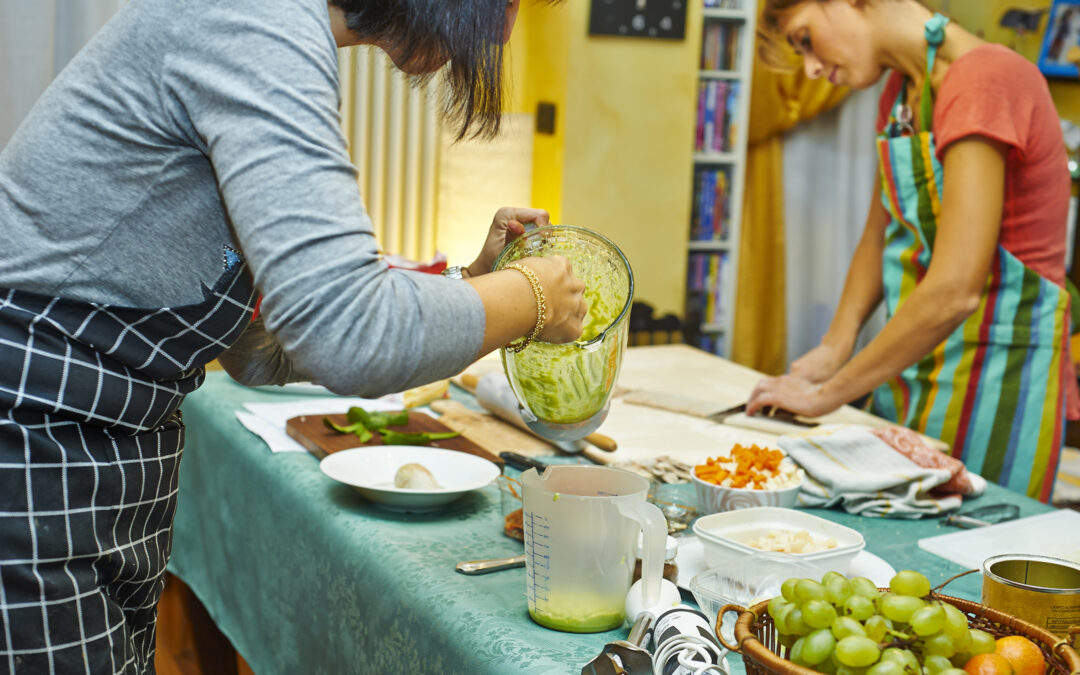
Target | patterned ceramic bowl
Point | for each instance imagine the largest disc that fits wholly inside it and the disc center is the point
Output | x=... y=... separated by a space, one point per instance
x=715 y=498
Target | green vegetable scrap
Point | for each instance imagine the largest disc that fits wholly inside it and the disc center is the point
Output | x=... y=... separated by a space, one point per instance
x=377 y=420
x=357 y=428
x=391 y=437
x=363 y=422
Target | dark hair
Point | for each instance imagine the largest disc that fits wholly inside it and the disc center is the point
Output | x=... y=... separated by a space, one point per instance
x=467 y=33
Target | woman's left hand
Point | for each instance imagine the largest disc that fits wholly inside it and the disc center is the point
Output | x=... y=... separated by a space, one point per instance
x=809 y=399
x=508 y=224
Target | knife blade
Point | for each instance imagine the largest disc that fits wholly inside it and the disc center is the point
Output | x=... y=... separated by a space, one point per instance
x=778 y=422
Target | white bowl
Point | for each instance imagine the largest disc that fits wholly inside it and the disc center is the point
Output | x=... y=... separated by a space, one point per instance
x=714 y=498
x=725 y=536
x=370 y=470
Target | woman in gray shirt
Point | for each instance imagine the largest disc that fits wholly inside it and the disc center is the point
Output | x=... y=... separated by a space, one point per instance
x=189 y=158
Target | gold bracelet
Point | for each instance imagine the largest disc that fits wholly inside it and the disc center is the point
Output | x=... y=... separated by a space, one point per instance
x=541 y=306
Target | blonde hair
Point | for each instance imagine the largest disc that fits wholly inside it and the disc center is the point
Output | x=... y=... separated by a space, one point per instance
x=773 y=49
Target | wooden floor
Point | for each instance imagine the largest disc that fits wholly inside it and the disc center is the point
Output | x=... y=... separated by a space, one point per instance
x=188 y=642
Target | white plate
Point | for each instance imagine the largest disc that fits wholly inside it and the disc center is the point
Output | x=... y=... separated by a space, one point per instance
x=691 y=559
x=370 y=470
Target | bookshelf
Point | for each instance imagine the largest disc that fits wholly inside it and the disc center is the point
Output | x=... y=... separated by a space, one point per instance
x=719 y=168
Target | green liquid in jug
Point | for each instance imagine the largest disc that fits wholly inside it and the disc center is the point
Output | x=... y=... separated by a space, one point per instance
x=563 y=383
x=565 y=619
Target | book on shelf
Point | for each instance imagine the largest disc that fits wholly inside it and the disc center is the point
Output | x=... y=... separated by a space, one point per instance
x=711 y=205
x=716 y=121
x=720 y=46
x=712 y=342
x=706 y=276
x=724 y=4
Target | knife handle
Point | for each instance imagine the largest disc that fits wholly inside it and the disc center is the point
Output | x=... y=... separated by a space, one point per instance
x=521 y=462
x=469 y=381
x=494 y=565
x=605 y=443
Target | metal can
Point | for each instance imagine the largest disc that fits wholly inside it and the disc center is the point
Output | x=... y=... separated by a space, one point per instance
x=1039 y=589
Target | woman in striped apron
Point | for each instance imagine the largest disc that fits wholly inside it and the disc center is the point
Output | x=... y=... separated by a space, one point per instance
x=975 y=351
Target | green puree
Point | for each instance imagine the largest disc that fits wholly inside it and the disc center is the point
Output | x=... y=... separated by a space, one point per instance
x=594 y=623
x=565 y=383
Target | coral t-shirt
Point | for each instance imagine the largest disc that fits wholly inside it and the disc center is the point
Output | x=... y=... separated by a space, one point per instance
x=994 y=92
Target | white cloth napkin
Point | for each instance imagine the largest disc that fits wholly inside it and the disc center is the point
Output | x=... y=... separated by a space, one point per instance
x=267 y=420
x=853 y=468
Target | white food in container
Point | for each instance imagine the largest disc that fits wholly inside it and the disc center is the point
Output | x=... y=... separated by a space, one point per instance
x=726 y=536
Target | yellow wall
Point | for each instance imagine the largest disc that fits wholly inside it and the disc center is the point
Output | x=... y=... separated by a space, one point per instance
x=984 y=18
x=620 y=161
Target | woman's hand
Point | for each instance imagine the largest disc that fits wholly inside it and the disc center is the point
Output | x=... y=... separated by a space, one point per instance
x=507 y=225
x=818 y=364
x=564 y=296
x=789 y=392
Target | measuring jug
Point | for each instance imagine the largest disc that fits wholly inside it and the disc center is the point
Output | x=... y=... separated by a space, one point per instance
x=564 y=390
x=581 y=527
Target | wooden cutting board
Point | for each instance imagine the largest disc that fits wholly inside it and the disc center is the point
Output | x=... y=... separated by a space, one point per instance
x=310 y=432
x=489 y=431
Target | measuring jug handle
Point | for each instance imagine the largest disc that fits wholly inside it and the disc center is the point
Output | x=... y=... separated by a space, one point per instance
x=653 y=536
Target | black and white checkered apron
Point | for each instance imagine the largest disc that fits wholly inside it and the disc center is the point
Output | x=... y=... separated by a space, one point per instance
x=90 y=443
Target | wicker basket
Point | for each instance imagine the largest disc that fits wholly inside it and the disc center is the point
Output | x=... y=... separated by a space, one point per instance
x=756 y=638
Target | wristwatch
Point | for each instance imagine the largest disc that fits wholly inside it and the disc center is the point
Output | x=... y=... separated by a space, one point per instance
x=454 y=272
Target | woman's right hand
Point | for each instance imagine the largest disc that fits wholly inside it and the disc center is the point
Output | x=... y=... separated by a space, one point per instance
x=564 y=295
x=819 y=364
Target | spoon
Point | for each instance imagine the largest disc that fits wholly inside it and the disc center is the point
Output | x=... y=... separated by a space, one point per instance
x=492 y=565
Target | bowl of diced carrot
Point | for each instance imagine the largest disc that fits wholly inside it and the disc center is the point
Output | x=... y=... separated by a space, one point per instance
x=748 y=476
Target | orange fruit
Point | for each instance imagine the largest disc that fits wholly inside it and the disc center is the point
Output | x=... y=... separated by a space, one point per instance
x=1022 y=654
x=988 y=664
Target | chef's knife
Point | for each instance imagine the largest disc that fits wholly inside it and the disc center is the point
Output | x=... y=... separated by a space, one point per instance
x=777 y=421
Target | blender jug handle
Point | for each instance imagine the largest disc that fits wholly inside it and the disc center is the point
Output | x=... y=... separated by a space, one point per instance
x=653 y=535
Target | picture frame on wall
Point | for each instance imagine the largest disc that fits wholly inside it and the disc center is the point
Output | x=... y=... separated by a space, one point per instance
x=1062 y=35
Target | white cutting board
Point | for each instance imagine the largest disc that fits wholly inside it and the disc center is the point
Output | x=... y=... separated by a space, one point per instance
x=1055 y=533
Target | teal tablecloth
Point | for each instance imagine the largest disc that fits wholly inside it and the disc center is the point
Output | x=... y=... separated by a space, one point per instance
x=305 y=576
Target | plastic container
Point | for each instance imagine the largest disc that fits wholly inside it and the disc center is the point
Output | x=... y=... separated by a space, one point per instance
x=758 y=578
x=724 y=537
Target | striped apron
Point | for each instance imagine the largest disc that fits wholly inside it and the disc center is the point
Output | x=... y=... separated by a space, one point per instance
x=993 y=389
x=90 y=442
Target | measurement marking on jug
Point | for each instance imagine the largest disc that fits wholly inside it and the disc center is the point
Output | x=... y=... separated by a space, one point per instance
x=536 y=540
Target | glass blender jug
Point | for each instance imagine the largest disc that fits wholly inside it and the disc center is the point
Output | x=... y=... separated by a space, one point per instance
x=581 y=528
x=564 y=390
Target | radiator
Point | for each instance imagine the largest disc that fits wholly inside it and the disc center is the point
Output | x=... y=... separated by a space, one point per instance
x=394 y=135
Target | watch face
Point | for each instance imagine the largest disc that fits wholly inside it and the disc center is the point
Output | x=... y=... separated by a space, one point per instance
x=664 y=19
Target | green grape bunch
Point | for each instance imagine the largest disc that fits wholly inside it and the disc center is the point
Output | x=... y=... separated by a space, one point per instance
x=842 y=626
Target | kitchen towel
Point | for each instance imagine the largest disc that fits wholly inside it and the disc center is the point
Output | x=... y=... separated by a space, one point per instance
x=849 y=466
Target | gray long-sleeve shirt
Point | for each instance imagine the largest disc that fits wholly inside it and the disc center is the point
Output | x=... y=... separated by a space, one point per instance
x=184 y=127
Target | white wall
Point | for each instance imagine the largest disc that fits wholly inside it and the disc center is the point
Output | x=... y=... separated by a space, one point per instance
x=830 y=164
x=37 y=39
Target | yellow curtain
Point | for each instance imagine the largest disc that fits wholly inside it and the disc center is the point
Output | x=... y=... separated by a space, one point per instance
x=778 y=101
